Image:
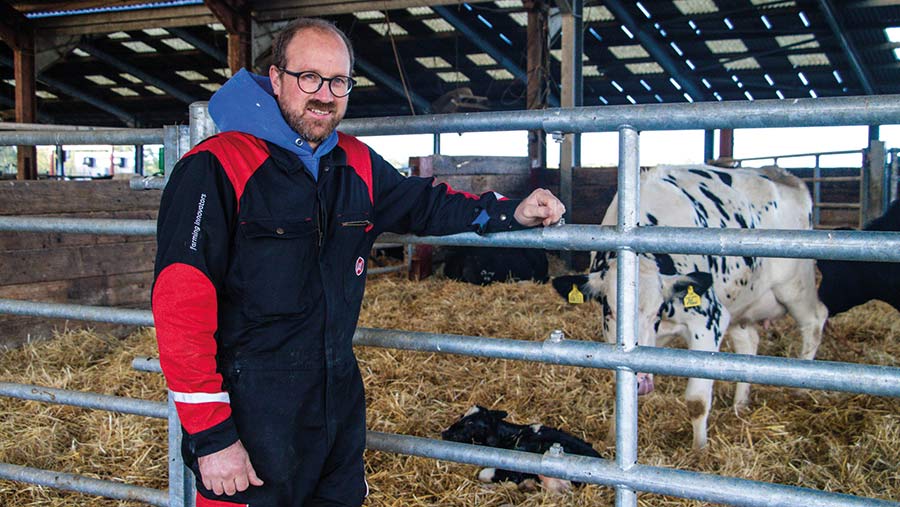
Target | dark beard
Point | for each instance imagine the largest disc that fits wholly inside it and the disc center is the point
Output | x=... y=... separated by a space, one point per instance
x=303 y=127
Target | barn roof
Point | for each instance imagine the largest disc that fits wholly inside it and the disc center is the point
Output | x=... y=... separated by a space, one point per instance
x=102 y=62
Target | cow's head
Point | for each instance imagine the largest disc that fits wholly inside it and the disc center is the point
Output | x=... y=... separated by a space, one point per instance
x=477 y=426
x=659 y=296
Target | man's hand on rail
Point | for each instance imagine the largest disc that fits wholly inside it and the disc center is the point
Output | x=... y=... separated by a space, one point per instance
x=541 y=207
x=228 y=471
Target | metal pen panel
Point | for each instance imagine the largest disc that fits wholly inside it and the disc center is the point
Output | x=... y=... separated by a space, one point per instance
x=627 y=310
x=663 y=481
x=83 y=484
x=98 y=136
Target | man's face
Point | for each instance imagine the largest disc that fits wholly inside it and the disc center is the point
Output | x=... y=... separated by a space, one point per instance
x=312 y=115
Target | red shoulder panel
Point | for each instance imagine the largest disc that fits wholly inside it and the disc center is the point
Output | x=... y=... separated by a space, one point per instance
x=239 y=153
x=358 y=158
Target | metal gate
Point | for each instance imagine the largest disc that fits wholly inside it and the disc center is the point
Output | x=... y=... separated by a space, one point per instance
x=624 y=473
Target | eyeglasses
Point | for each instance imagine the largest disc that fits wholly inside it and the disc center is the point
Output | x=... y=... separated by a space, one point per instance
x=311 y=82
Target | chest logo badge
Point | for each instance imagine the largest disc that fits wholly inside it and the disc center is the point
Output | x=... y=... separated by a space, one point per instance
x=360 y=265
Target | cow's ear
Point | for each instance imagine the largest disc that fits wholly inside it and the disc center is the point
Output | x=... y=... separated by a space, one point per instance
x=564 y=285
x=499 y=414
x=677 y=286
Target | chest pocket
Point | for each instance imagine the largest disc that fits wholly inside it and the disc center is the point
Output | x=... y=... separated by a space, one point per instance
x=276 y=259
x=354 y=237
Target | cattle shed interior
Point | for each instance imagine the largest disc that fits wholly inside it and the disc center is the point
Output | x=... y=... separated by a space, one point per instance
x=140 y=63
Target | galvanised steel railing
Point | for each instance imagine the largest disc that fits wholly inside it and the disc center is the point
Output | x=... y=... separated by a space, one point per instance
x=625 y=474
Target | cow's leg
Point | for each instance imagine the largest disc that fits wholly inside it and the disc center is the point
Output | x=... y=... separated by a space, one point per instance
x=745 y=340
x=698 y=395
x=802 y=303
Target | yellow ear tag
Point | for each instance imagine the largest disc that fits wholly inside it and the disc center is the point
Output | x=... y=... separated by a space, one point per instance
x=691 y=299
x=575 y=296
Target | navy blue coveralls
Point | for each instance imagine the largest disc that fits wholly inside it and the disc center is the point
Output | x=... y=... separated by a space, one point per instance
x=259 y=277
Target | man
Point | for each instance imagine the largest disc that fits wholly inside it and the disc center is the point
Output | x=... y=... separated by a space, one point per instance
x=263 y=235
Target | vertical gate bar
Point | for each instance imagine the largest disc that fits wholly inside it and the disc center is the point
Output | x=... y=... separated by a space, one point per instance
x=626 y=304
x=180 y=485
x=817 y=193
x=201 y=123
x=437 y=144
x=894 y=176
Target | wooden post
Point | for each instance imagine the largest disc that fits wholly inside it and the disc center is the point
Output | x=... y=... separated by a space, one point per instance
x=235 y=16
x=420 y=265
x=726 y=144
x=538 y=71
x=872 y=199
x=18 y=33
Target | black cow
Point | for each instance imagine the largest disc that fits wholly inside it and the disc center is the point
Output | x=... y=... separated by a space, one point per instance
x=485 y=265
x=846 y=284
x=482 y=426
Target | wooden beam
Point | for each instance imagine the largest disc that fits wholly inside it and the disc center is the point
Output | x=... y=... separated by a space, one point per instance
x=537 y=71
x=276 y=10
x=100 y=23
x=235 y=15
x=16 y=30
x=14 y=26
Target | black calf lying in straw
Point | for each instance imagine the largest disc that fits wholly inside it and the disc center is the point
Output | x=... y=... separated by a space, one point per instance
x=486 y=427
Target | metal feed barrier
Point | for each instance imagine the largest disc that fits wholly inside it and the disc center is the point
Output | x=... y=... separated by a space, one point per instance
x=624 y=473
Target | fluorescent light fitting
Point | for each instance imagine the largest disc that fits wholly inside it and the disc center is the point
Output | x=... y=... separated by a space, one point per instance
x=595 y=34
x=505 y=39
x=728 y=23
x=676 y=48
x=645 y=84
x=769 y=79
x=837 y=76
x=485 y=21
x=812 y=93
x=658 y=98
x=804 y=19
x=892 y=33
x=692 y=24
x=780 y=95
x=631 y=99
x=644 y=10
x=717 y=96
x=803 y=79
x=627 y=32
x=617 y=86
x=674 y=83
x=706 y=84
x=688 y=98
x=747 y=94
x=603 y=99
x=766 y=22
x=690 y=64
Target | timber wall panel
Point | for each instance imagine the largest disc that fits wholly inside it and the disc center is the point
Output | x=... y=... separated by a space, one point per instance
x=74 y=268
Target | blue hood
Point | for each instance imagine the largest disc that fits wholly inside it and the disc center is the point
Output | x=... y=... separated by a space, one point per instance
x=246 y=103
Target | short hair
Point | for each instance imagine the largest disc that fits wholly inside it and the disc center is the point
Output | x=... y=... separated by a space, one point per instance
x=286 y=35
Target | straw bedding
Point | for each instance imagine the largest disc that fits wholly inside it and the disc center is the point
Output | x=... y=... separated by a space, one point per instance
x=838 y=442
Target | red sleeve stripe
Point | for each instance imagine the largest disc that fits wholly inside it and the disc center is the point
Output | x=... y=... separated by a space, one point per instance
x=185 y=314
x=452 y=191
x=358 y=158
x=240 y=155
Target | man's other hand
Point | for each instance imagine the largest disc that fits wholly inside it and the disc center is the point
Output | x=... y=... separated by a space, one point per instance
x=228 y=471
x=541 y=207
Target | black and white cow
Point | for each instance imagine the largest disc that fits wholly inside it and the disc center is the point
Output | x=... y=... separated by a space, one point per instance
x=485 y=265
x=846 y=284
x=482 y=426
x=735 y=292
